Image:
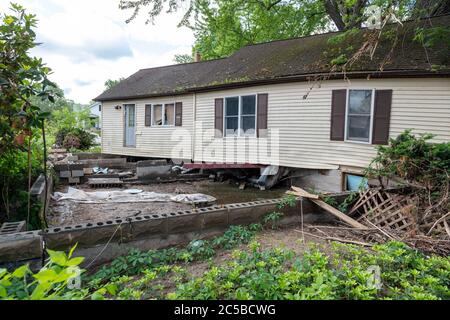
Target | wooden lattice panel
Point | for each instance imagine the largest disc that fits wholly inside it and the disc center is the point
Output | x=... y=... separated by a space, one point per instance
x=386 y=210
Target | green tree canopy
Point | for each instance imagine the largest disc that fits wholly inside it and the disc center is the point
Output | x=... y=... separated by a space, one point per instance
x=21 y=78
x=111 y=83
x=223 y=26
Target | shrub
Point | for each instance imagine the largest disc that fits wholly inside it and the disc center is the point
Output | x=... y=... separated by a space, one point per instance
x=346 y=274
x=75 y=138
x=50 y=282
x=71 y=141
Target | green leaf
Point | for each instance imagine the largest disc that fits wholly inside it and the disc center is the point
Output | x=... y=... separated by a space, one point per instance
x=97 y=296
x=72 y=250
x=40 y=291
x=112 y=289
x=57 y=257
x=3 y=292
x=21 y=271
x=8 y=20
x=46 y=275
x=3 y=272
x=75 y=261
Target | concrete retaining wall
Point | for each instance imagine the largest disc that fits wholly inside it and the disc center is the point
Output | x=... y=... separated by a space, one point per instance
x=148 y=231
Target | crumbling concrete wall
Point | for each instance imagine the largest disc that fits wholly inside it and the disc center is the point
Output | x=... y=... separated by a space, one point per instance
x=149 y=169
x=149 y=231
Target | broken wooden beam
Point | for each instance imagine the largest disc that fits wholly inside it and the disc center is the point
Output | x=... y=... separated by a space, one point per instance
x=302 y=193
x=315 y=199
x=342 y=216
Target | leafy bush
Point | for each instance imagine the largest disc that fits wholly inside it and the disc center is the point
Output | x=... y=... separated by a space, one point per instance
x=76 y=138
x=14 y=185
x=50 y=282
x=414 y=159
x=346 y=274
x=272 y=219
x=136 y=261
x=234 y=236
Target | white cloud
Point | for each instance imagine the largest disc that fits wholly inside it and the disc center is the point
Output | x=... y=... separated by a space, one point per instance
x=86 y=42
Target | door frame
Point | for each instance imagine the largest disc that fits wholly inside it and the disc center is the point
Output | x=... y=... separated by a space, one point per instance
x=124 y=107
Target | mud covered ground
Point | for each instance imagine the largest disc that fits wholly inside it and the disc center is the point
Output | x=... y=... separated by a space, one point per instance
x=68 y=212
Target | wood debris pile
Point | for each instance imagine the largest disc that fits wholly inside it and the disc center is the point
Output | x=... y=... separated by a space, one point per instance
x=380 y=215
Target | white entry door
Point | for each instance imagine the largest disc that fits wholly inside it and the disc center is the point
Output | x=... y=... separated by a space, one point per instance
x=130 y=125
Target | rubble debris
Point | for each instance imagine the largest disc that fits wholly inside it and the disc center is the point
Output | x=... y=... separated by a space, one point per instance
x=104 y=182
x=98 y=170
x=399 y=215
x=12 y=227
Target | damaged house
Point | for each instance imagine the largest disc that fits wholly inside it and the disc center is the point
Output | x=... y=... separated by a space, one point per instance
x=283 y=103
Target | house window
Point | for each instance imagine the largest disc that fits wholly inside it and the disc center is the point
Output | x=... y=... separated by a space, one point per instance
x=99 y=107
x=157 y=115
x=163 y=114
x=169 y=114
x=359 y=115
x=240 y=116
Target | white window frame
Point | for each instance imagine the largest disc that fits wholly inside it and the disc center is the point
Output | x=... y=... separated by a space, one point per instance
x=163 y=111
x=240 y=132
x=372 y=107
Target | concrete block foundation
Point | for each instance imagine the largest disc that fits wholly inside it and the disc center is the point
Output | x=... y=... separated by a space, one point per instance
x=149 y=231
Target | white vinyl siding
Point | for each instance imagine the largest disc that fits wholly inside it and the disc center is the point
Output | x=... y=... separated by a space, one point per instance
x=421 y=104
x=150 y=141
x=304 y=124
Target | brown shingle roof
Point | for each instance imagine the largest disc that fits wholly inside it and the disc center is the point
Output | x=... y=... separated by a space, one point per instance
x=285 y=60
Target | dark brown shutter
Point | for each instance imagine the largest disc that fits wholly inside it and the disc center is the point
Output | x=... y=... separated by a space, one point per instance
x=178 y=114
x=218 y=117
x=381 y=116
x=262 y=115
x=148 y=115
x=338 y=101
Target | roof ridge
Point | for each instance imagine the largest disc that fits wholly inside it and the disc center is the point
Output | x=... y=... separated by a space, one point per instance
x=331 y=32
x=182 y=64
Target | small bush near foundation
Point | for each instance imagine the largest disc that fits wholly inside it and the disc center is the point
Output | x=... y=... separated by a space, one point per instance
x=136 y=260
x=272 y=218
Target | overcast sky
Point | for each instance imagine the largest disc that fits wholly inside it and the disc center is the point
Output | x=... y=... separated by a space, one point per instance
x=86 y=42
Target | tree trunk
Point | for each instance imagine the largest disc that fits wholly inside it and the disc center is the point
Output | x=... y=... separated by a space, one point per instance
x=332 y=9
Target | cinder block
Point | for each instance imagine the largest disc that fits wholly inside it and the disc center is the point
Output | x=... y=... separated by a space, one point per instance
x=184 y=223
x=74 y=180
x=64 y=174
x=87 y=171
x=20 y=246
x=77 y=173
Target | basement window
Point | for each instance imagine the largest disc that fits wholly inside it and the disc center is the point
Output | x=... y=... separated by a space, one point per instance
x=240 y=116
x=354 y=182
x=359 y=115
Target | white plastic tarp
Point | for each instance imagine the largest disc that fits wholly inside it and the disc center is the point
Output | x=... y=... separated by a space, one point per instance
x=131 y=195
